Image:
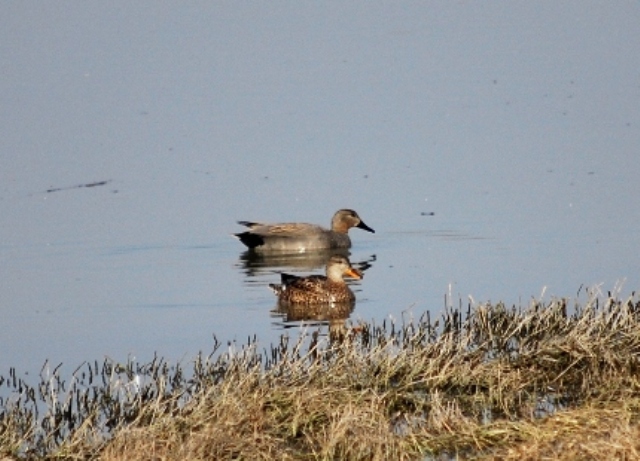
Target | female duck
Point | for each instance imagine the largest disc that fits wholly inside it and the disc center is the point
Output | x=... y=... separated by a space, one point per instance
x=318 y=289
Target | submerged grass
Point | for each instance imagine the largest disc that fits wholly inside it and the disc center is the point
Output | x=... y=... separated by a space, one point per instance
x=488 y=382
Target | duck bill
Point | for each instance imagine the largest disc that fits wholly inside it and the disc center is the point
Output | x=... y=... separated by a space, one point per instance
x=363 y=226
x=354 y=273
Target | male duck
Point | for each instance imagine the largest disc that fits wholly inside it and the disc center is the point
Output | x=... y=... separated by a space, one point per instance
x=318 y=289
x=301 y=237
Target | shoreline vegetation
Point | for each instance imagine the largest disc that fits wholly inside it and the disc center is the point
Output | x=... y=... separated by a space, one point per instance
x=545 y=381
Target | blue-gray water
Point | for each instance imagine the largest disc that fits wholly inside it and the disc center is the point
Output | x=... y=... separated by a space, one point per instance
x=492 y=146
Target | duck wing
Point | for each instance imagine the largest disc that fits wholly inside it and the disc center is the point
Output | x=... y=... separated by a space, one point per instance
x=311 y=284
x=282 y=229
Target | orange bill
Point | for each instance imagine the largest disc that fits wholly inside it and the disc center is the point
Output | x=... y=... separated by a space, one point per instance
x=355 y=273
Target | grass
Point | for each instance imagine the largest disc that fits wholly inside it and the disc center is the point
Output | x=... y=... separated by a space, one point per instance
x=543 y=382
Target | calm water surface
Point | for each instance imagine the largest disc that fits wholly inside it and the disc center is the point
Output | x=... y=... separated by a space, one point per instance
x=75 y=299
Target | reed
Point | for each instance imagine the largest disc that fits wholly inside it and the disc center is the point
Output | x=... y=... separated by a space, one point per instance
x=486 y=382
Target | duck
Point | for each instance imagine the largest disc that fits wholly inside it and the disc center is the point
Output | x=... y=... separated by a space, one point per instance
x=319 y=289
x=296 y=237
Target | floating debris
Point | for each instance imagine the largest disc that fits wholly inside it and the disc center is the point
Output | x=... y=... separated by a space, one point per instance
x=79 y=186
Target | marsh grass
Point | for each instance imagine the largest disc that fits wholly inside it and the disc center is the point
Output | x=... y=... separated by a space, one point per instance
x=488 y=382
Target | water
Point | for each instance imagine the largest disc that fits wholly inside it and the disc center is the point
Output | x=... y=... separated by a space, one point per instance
x=493 y=151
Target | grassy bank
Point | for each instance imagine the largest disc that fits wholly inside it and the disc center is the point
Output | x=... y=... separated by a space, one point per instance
x=489 y=382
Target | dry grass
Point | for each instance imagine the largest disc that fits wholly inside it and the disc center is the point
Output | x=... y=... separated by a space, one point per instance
x=489 y=383
x=604 y=431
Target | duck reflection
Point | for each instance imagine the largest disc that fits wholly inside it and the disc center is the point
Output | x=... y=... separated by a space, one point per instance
x=253 y=262
x=256 y=264
x=321 y=313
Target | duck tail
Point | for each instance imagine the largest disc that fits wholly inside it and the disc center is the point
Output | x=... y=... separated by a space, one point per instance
x=277 y=289
x=249 y=239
